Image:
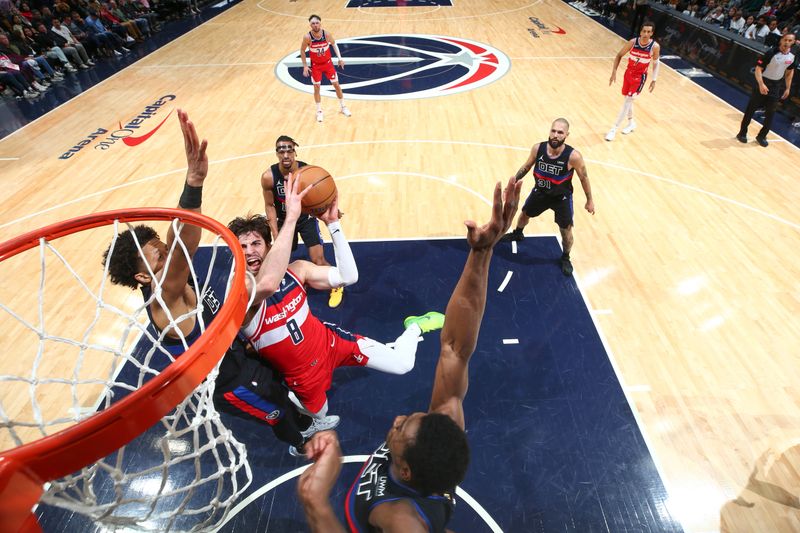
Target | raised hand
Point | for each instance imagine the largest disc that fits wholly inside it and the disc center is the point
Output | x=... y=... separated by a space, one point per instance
x=503 y=209
x=316 y=482
x=196 y=158
x=332 y=214
x=294 y=199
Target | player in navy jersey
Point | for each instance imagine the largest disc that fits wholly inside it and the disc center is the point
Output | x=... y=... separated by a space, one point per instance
x=246 y=385
x=280 y=325
x=643 y=51
x=553 y=164
x=409 y=483
x=273 y=186
x=319 y=42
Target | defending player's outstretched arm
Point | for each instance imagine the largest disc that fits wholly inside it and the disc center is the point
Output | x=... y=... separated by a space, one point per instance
x=466 y=305
x=175 y=274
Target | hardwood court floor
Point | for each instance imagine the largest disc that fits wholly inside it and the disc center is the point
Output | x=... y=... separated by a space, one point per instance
x=690 y=263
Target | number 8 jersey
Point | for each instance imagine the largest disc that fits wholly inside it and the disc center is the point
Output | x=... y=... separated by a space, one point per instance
x=285 y=327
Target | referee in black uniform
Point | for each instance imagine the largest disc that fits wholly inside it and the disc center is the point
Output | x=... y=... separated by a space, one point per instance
x=776 y=65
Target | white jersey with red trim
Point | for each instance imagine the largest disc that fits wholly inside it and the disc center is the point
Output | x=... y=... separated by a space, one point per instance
x=640 y=57
x=284 y=331
x=319 y=49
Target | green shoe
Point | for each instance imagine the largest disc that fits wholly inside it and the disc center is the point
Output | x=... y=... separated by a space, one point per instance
x=428 y=322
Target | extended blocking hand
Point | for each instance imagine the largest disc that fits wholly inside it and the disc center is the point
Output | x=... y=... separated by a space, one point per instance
x=196 y=158
x=504 y=208
x=316 y=482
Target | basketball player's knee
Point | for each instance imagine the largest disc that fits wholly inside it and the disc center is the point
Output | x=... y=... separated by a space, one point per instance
x=405 y=364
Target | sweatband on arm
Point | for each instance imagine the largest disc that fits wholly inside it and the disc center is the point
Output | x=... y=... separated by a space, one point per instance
x=656 y=66
x=191 y=197
x=345 y=272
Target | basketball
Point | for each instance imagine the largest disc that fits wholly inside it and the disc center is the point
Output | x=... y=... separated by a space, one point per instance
x=322 y=193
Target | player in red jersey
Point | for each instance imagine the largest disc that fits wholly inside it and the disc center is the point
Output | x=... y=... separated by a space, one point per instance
x=643 y=51
x=280 y=325
x=319 y=43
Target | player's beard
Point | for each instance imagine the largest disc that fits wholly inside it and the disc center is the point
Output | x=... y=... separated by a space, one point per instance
x=555 y=143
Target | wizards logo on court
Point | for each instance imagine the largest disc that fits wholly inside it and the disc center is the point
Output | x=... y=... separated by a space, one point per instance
x=397 y=67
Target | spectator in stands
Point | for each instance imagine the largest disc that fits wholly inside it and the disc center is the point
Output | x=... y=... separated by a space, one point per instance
x=707 y=8
x=53 y=42
x=767 y=9
x=28 y=66
x=42 y=47
x=62 y=31
x=128 y=26
x=141 y=23
x=715 y=17
x=691 y=9
x=774 y=36
x=42 y=68
x=95 y=25
x=19 y=23
x=96 y=45
x=135 y=10
x=757 y=31
x=736 y=22
x=47 y=17
x=25 y=11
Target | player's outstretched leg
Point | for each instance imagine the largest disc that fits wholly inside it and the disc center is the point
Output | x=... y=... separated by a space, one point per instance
x=400 y=358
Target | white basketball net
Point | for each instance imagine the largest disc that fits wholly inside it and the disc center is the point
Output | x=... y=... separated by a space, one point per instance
x=73 y=354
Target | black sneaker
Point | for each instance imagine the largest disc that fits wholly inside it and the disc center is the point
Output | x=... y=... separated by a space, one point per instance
x=742 y=138
x=566 y=265
x=762 y=141
x=515 y=235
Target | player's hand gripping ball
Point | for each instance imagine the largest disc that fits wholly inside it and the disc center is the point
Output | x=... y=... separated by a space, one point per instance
x=321 y=195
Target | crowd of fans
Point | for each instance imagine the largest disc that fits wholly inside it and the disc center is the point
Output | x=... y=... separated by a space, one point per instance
x=42 y=41
x=760 y=20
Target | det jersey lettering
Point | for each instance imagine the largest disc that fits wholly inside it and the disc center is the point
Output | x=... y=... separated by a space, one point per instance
x=372 y=483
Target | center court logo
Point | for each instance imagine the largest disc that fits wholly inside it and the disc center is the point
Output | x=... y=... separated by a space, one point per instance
x=403 y=67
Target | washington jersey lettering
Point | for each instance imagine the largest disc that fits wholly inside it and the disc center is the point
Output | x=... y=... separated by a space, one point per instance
x=319 y=49
x=279 y=193
x=639 y=58
x=376 y=485
x=285 y=332
x=553 y=176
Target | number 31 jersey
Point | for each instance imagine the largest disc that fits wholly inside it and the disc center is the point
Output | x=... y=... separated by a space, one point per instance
x=553 y=175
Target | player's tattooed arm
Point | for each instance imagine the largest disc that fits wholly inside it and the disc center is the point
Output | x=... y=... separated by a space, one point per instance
x=524 y=169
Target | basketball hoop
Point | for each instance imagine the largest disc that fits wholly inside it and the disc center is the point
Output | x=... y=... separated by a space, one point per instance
x=25 y=468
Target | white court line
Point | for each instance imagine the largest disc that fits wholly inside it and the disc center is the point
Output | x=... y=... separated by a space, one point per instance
x=418 y=141
x=201 y=65
x=9 y=158
x=395 y=20
x=605 y=58
x=510 y=341
x=513 y=247
x=639 y=388
x=505 y=281
x=461 y=493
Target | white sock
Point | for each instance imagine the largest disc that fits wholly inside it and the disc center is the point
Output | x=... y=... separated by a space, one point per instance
x=397 y=360
x=341 y=103
x=319 y=106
